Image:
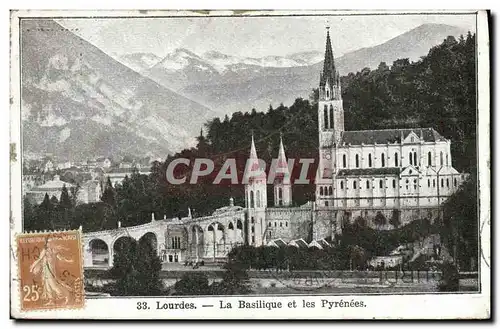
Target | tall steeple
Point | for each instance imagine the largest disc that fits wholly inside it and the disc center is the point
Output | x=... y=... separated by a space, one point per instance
x=329 y=74
x=282 y=164
x=282 y=184
x=253 y=151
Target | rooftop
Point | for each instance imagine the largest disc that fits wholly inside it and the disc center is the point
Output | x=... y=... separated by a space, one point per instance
x=384 y=136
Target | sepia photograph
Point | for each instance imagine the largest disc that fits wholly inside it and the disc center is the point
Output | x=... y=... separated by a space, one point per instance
x=254 y=156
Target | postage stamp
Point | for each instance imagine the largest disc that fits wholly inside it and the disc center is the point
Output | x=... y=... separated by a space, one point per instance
x=50 y=270
x=208 y=164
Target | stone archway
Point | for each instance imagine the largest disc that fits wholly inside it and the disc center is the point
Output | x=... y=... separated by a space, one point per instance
x=101 y=256
x=149 y=239
x=122 y=244
x=216 y=240
x=197 y=243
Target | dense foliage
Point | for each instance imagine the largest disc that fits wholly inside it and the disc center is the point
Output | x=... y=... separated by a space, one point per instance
x=437 y=91
x=136 y=269
x=460 y=225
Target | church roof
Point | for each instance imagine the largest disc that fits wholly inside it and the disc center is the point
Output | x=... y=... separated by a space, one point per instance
x=369 y=171
x=384 y=136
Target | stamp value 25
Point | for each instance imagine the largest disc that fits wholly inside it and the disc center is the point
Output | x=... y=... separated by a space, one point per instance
x=50 y=270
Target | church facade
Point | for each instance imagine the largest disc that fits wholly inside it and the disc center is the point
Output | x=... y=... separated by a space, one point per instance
x=399 y=174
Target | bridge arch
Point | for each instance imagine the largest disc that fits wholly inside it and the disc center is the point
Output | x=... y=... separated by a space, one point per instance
x=100 y=252
x=123 y=242
x=150 y=239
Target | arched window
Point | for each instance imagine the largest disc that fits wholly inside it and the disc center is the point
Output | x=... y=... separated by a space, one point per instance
x=433 y=183
x=325 y=119
x=415 y=162
x=275 y=224
x=369 y=160
x=429 y=159
x=367 y=184
x=441 y=158
x=327 y=93
x=428 y=182
x=251 y=200
x=447 y=159
x=455 y=182
x=442 y=182
x=321 y=190
x=396 y=164
x=258 y=199
x=354 y=184
x=341 y=185
x=357 y=160
x=281 y=224
x=286 y=224
x=411 y=158
x=330 y=191
x=447 y=182
x=414 y=184
x=383 y=159
x=381 y=183
x=252 y=220
x=344 y=161
x=393 y=183
x=331 y=117
x=280 y=193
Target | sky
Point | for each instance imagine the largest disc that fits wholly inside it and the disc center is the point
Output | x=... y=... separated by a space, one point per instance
x=251 y=36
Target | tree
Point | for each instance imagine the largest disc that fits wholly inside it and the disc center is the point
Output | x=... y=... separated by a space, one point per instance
x=234 y=281
x=108 y=196
x=74 y=194
x=460 y=225
x=136 y=268
x=379 y=219
x=192 y=284
x=65 y=201
x=394 y=220
x=29 y=215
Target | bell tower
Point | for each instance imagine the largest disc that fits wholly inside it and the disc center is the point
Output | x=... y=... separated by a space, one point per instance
x=255 y=198
x=330 y=107
x=330 y=122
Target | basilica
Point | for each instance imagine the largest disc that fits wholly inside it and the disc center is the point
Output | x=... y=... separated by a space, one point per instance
x=398 y=174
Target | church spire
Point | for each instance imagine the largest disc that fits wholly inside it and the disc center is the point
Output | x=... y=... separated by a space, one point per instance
x=253 y=151
x=282 y=165
x=329 y=72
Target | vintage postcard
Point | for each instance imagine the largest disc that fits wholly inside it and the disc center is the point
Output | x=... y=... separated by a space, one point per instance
x=250 y=165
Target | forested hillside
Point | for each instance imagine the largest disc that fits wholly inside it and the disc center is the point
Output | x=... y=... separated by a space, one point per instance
x=438 y=91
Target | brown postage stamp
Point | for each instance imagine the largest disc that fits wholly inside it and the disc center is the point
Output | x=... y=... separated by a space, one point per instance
x=50 y=270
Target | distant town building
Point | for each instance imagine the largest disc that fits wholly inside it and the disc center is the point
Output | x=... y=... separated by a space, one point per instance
x=47 y=165
x=117 y=175
x=64 y=164
x=52 y=188
x=104 y=163
x=90 y=191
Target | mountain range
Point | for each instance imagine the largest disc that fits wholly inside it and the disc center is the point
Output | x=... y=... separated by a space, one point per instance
x=79 y=102
x=228 y=83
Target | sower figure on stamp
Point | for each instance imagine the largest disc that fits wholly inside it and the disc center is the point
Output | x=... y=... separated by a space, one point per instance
x=52 y=287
